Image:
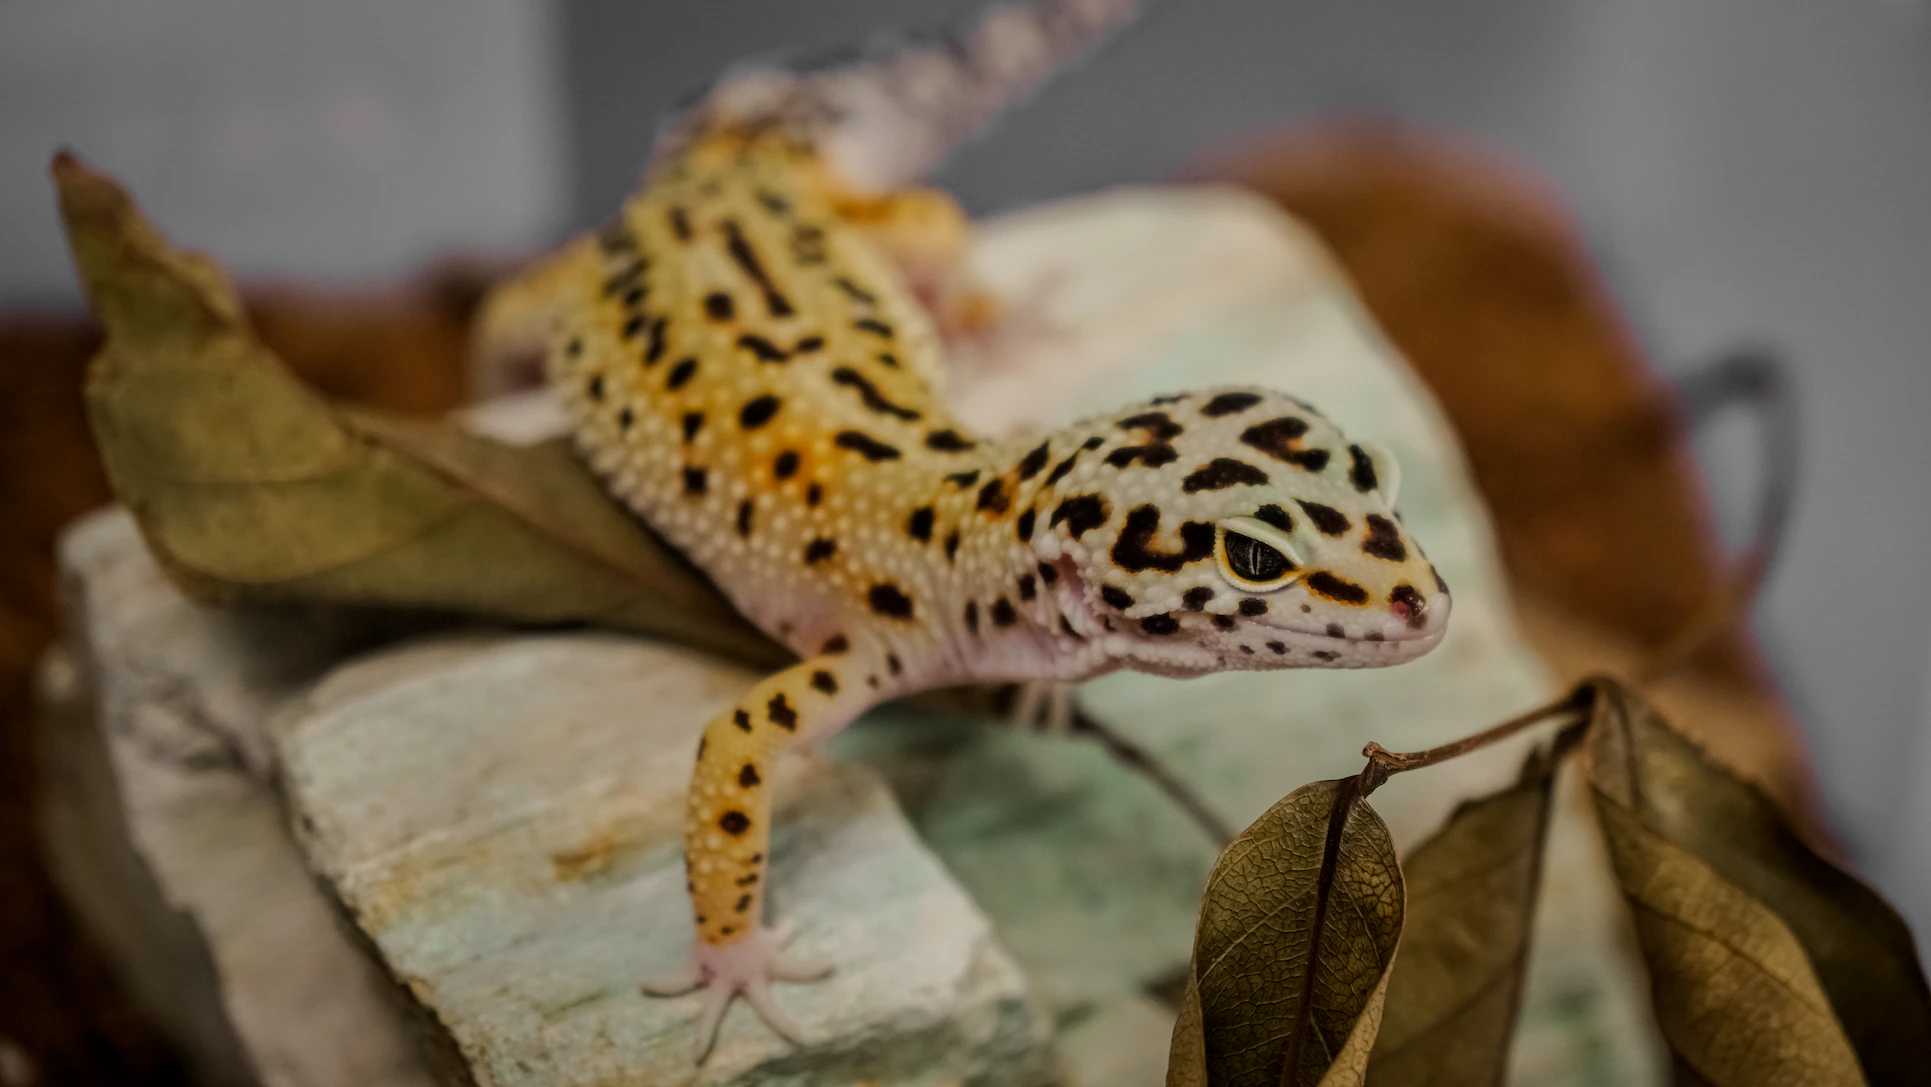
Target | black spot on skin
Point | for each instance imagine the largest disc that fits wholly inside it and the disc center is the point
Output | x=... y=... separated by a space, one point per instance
x=1170 y=398
x=633 y=327
x=1134 y=549
x=1059 y=470
x=855 y=292
x=718 y=306
x=1093 y=443
x=693 y=422
x=1160 y=624
x=654 y=350
x=824 y=681
x=1066 y=628
x=1384 y=540
x=1439 y=583
x=919 y=525
x=596 y=387
x=680 y=374
x=865 y=446
x=1225 y=622
x=1048 y=573
x=748 y=880
x=734 y=822
x=888 y=360
x=742 y=720
x=622 y=280
x=835 y=645
x=869 y=393
x=1331 y=521
x=625 y=418
x=1159 y=426
x=819 y=550
x=1326 y=655
x=574 y=347
x=1276 y=438
x=873 y=326
x=972 y=616
x=680 y=223
x=1361 y=473
x=962 y=480
x=892 y=664
x=1081 y=512
x=1028 y=586
x=764 y=349
x=1347 y=592
x=808 y=244
x=783 y=713
x=1002 y=613
x=748 y=776
x=1197 y=597
x=948 y=441
x=1247 y=649
x=1152 y=455
x=696 y=481
x=1033 y=462
x=1412 y=601
x=773 y=203
x=744 y=518
x=886 y=599
x=744 y=903
x=807 y=345
x=993 y=496
x=1335 y=631
x=1375 y=636
x=1278 y=648
x=951 y=546
x=758 y=411
x=872 y=682
x=1229 y=404
x=634 y=295
x=1253 y=606
x=786 y=464
x=1221 y=473
x=1276 y=516
x=1023 y=528
x=746 y=258
x=1116 y=597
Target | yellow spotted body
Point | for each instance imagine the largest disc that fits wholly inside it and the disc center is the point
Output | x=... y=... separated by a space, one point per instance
x=750 y=359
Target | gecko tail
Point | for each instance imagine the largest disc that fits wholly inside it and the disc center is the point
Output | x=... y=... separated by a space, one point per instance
x=886 y=113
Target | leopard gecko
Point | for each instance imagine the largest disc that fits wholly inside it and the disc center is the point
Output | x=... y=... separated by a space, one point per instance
x=750 y=357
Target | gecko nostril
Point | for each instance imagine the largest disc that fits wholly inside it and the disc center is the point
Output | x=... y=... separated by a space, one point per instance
x=1408 y=605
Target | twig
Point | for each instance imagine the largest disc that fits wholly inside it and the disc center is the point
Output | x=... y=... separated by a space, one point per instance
x=1383 y=763
x=1141 y=760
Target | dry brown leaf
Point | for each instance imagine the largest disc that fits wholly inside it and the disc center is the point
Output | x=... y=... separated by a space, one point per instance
x=1472 y=889
x=1768 y=964
x=248 y=487
x=1298 y=927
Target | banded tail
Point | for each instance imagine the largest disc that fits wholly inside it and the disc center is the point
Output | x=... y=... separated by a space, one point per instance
x=885 y=114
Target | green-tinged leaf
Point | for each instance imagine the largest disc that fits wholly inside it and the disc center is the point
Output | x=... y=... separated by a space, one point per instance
x=248 y=487
x=1298 y=927
x=1768 y=964
x=1472 y=891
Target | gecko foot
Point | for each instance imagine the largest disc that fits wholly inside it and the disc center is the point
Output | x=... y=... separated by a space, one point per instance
x=1044 y=706
x=748 y=966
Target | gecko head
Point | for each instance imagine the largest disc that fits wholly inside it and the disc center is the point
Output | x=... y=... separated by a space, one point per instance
x=1238 y=528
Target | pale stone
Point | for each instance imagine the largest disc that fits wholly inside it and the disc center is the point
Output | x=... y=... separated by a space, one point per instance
x=503 y=819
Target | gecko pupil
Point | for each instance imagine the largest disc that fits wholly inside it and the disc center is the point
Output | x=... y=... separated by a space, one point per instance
x=1253 y=559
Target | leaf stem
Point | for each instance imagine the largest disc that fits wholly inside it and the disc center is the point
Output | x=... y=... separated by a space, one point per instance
x=1383 y=763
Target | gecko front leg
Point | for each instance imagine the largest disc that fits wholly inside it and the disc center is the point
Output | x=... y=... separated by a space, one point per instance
x=727 y=836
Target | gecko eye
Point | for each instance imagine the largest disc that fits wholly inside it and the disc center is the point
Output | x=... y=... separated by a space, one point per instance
x=1253 y=564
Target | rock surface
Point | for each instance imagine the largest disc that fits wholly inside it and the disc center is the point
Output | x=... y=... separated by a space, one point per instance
x=497 y=813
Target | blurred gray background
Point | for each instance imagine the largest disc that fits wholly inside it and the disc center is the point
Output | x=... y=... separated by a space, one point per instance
x=1745 y=170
